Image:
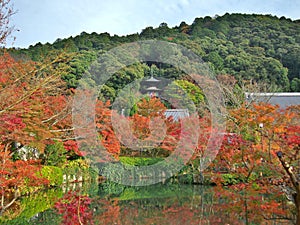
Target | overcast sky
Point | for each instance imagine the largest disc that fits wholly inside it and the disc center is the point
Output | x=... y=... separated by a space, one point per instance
x=46 y=20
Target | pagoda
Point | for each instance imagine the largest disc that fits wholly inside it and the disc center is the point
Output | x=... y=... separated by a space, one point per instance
x=151 y=87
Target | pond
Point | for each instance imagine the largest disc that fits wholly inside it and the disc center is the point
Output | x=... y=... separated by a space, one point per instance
x=162 y=203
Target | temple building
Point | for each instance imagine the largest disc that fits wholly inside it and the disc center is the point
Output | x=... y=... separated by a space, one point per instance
x=151 y=88
x=283 y=99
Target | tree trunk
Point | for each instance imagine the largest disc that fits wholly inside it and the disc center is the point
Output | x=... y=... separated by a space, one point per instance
x=297 y=203
x=296 y=184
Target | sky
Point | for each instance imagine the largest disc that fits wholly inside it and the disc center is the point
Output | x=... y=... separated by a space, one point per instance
x=47 y=20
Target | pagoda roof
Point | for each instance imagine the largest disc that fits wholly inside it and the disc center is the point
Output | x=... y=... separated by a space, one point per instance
x=152 y=79
x=153 y=89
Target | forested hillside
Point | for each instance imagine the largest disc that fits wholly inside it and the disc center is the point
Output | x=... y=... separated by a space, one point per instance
x=252 y=48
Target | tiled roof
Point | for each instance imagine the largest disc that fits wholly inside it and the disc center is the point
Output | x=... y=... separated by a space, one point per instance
x=152 y=79
x=177 y=114
x=281 y=99
x=153 y=89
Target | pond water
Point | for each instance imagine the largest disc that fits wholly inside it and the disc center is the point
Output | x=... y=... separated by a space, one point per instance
x=111 y=203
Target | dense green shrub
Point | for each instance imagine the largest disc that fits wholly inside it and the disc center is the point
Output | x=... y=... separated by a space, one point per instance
x=230 y=179
x=53 y=174
x=54 y=154
x=79 y=169
x=139 y=161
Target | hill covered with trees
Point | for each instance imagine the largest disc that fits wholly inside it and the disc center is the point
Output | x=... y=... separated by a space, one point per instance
x=255 y=49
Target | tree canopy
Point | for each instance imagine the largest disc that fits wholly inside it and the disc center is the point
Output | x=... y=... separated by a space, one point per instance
x=258 y=48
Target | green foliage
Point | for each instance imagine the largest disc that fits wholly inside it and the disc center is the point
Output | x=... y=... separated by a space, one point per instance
x=295 y=85
x=155 y=191
x=110 y=188
x=216 y=60
x=179 y=96
x=250 y=47
x=54 y=154
x=78 y=67
x=193 y=91
x=53 y=174
x=123 y=77
x=40 y=202
x=139 y=161
x=266 y=171
x=33 y=204
x=25 y=153
x=80 y=169
x=230 y=179
x=186 y=179
x=255 y=186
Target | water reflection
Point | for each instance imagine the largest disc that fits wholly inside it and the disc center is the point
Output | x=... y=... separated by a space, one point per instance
x=185 y=204
x=169 y=203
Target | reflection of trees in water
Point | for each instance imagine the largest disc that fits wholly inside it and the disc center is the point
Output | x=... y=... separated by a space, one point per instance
x=172 y=203
x=188 y=204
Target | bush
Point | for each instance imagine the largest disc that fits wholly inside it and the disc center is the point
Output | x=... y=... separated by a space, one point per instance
x=139 y=161
x=53 y=174
x=79 y=168
x=54 y=154
x=230 y=179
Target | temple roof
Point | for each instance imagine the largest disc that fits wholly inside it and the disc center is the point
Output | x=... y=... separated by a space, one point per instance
x=153 y=89
x=283 y=99
x=177 y=114
x=152 y=79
